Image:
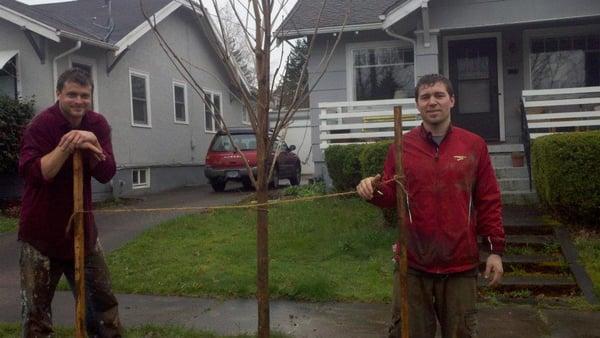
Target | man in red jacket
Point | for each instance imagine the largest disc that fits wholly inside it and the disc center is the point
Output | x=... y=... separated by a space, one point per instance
x=452 y=197
x=46 y=165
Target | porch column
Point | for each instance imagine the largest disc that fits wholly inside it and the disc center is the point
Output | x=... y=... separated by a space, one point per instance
x=426 y=54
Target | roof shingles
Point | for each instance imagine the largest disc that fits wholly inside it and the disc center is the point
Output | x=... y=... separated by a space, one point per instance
x=77 y=17
x=305 y=13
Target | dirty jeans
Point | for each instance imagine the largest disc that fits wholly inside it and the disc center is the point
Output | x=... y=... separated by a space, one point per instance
x=39 y=277
x=449 y=298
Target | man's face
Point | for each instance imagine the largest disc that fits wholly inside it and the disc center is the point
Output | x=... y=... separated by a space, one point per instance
x=74 y=99
x=434 y=104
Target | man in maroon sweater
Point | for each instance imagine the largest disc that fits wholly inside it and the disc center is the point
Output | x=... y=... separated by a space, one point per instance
x=452 y=197
x=45 y=164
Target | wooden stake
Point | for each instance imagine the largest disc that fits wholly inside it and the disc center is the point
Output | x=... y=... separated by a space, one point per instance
x=79 y=245
x=402 y=231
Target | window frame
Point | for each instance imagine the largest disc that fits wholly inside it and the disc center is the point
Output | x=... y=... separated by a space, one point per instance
x=212 y=94
x=181 y=84
x=554 y=32
x=140 y=185
x=245 y=115
x=351 y=47
x=146 y=77
x=18 y=84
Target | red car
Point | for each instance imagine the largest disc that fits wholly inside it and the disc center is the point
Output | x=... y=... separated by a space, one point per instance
x=223 y=164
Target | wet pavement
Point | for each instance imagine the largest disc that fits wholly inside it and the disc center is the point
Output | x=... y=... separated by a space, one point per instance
x=299 y=319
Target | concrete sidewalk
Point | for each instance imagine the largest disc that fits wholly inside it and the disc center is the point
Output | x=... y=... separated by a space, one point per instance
x=298 y=319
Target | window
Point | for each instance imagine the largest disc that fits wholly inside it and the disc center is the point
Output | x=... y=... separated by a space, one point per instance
x=245 y=115
x=140 y=99
x=8 y=74
x=140 y=178
x=213 y=101
x=180 y=102
x=380 y=73
x=565 y=62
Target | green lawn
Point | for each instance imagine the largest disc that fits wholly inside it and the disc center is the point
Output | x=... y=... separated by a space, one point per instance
x=146 y=331
x=588 y=245
x=329 y=249
x=8 y=224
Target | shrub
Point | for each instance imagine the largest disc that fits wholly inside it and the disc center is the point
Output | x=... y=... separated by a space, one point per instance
x=372 y=158
x=311 y=189
x=344 y=166
x=14 y=116
x=566 y=176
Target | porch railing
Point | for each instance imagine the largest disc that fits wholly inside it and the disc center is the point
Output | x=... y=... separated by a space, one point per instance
x=550 y=111
x=351 y=122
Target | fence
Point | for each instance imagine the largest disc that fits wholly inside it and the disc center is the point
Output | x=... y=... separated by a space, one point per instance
x=363 y=121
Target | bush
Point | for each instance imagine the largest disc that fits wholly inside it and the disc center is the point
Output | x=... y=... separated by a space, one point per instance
x=311 y=189
x=14 y=116
x=566 y=176
x=344 y=166
x=372 y=158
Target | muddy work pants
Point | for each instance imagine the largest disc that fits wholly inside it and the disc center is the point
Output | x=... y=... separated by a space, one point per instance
x=449 y=299
x=39 y=277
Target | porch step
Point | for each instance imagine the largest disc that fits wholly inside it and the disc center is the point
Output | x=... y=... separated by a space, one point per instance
x=513 y=184
x=511 y=172
x=527 y=239
x=501 y=160
x=505 y=148
x=519 y=197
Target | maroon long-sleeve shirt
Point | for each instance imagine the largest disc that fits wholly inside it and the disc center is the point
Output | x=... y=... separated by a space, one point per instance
x=47 y=204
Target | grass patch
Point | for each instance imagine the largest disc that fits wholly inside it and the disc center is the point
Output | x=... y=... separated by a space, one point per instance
x=146 y=331
x=8 y=224
x=588 y=245
x=341 y=252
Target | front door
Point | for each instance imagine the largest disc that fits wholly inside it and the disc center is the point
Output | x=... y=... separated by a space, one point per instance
x=473 y=69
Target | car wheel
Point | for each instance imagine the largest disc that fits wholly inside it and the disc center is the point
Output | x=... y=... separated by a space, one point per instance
x=218 y=186
x=297 y=176
x=275 y=179
x=247 y=184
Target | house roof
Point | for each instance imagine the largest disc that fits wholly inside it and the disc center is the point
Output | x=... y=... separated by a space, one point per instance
x=80 y=19
x=362 y=14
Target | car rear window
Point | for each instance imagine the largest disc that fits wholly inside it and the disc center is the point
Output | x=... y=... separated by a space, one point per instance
x=243 y=141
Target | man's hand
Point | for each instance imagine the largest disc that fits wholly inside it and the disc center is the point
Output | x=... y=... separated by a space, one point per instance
x=368 y=186
x=493 y=266
x=81 y=139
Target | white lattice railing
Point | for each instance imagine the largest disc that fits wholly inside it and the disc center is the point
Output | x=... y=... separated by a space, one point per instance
x=363 y=121
x=550 y=111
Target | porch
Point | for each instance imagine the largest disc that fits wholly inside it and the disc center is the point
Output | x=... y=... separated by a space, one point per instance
x=544 y=111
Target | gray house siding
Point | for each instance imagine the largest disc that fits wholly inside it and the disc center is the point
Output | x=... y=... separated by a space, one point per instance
x=173 y=152
x=34 y=78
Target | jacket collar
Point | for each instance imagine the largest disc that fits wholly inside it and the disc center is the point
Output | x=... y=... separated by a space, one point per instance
x=427 y=134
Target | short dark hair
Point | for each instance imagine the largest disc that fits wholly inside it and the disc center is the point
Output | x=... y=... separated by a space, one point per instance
x=77 y=75
x=432 y=79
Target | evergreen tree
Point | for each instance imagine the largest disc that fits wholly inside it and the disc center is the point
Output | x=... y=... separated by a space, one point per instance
x=293 y=73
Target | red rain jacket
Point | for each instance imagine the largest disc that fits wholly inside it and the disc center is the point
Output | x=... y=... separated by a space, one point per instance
x=453 y=196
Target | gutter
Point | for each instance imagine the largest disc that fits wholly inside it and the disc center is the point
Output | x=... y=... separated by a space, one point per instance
x=88 y=41
x=60 y=56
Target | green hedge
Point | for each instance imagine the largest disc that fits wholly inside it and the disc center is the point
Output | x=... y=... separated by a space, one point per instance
x=343 y=166
x=14 y=116
x=347 y=165
x=372 y=158
x=566 y=174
